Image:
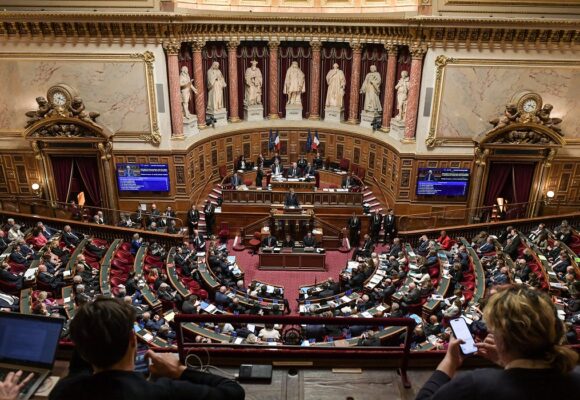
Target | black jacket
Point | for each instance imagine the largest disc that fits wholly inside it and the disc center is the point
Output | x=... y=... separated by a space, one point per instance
x=120 y=385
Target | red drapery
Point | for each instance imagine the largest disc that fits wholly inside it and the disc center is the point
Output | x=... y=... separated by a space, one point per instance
x=513 y=182
x=89 y=173
x=301 y=53
x=373 y=54
x=62 y=168
x=403 y=64
x=247 y=52
x=339 y=53
x=499 y=175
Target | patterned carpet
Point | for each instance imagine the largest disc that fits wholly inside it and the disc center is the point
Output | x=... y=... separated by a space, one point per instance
x=291 y=280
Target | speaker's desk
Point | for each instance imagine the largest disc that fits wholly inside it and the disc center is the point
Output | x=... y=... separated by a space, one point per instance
x=295 y=260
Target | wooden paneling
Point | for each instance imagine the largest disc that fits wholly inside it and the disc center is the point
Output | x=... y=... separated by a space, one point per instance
x=18 y=171
x=564 y=180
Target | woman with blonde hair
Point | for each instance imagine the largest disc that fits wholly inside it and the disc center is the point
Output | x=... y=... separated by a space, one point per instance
x=525 y=339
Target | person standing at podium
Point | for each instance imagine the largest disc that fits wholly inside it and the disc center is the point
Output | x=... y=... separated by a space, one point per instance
x=269 y=241
x=309 y=240
x=291 y=199
x=288 y=242
x=293 y=171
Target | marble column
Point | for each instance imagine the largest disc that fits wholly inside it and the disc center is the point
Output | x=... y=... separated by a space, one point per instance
x=315 y=77
x=199 y=82
x=417 y=54
x=355 y=83
x=172 y=50
x=273 y=92
x=233 y=80
x=392 y=51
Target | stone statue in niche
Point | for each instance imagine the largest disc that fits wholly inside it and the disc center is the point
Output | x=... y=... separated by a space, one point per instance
x=253 y=81
x=371 y=88
x=294 y=84
x=77 y=110
x=402 y=88
x=215 y=84
x=336 y=85
x=186 y=86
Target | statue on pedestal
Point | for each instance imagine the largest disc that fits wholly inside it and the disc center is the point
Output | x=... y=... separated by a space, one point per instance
x=371 y=88
x=336 y=84
x=253 y=80
x=186 y=86
x=215 y=84
x=294 y=84
x=402 y=88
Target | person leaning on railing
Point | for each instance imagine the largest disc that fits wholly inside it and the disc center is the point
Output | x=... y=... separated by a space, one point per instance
x=525 y=339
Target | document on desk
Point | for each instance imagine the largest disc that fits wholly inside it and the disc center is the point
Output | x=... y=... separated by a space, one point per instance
x=345 y=299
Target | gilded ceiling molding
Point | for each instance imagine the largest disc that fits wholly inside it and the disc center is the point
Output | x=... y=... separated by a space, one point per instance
x=440 y=63
x=154 y=137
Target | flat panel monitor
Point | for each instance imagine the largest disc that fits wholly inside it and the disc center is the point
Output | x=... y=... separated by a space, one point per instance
x=450 y=182
x=143 y=177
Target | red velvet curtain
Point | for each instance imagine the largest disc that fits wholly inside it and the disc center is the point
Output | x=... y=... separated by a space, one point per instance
x=373 y=54
x=403 y=64
x=62 y=168
x=212 y=52
x=247 y=52
x=287 y=53
x=339 y=53
x=186 y=59
x=89 y=172
x=499 y=175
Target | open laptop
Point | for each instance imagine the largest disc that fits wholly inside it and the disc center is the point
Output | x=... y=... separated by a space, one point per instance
x=28 y=343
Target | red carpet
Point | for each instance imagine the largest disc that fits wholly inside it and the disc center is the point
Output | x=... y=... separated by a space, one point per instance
x=290 y=280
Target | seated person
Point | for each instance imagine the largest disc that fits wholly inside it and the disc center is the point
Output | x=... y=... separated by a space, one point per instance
x=55 y=281
x=291 y=200
x=4 y=242
x=318 y=162
x=19 y=258
x=109 y=347
x=349 y=181
x=38 y=239
x=198 y=241
x=309 y=240
x=302 y=162
x=152 y=227
x=293 y=171
x=8 y=277
x=236 y=180
x=15 y=233
x=288 y=242
x=366 y=249
x=487 y=247
x=70 y=238
x=172 y=228
x=561 y=264
x=413 y=296
x=445 y=241
x=136 y=243
x=269 y=241
x=277 y=168
x=242 y=164
x=308 y=170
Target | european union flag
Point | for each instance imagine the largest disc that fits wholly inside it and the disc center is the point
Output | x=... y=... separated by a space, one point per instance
x=308 y=142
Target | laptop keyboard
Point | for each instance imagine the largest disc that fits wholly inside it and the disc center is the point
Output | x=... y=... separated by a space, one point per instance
x=5 y=371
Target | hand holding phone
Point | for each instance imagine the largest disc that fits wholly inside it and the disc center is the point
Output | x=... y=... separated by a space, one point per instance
x=461 y=332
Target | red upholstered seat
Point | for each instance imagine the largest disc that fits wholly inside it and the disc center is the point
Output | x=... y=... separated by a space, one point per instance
x=126 y=246
x=10 y=288
x=256 y=241
x=17 y=268
x=361 y=173
x=248 y=182
x=118 y=280
x=224 y=232
x=223 y=170
x=344 y=164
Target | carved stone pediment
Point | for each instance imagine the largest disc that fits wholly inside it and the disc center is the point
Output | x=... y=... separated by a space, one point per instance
x=64 y=128
x=518 y=133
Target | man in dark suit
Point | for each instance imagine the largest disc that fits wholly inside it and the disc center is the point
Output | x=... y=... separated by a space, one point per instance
x=8 y=277
x=209 y=211
x=198 y=241
x=390 y=225
x=318 y=161
x=154 y=215
x=354 y=230
x=259 y=177
x=560 y=266
x=487 y=247
x=396 y=248
x=54 y=281
x=260 y=161
x=413 y=296
x=47 y=232
x=70 y=238
x=366 y=249
x=348 y=181
x=291 y=199
x=136 y=243
x=20 y=258
x=309 y=240
x=236 y=180
x=3 y=241
x=277 y=168
x=269 y=241
x=511 y=248
x=308 y=170
x=167 y=216
x=302 y=162
x=293 y=171
x=375 y=225
x=192 y=218
x=241 y=164
x=277 y=158
x=288 y=242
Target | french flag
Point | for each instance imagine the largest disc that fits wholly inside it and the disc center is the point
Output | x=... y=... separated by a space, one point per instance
x=316 y=141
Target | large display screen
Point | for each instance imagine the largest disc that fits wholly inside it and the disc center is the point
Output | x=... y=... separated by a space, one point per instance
x=143 y=177
x=442 y=182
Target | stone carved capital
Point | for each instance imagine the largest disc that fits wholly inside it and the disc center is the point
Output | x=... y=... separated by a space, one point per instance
x=172 y=47
x=233 y=45
x=356 y=46
x=316 y=45
x=418 y=50
x=392 y=49
x=197 y=45
x=274 y=44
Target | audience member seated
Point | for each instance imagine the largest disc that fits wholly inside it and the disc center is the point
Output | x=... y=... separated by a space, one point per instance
x=487 y=247
x=17 y=257
x=55 y=281
x=136 y=243
x=293 y=171
x=9 y=278
x=236 y=180
x=445 y=241
x=269 y=240
x=288 y=242
x=535 y=364
x=70 y=238
x=309 y=240
x=198 y=241
x=366 y=249
x=269 y=333
x=15 y=233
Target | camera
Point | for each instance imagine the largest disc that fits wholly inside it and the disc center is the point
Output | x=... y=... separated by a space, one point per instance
x=210 y=121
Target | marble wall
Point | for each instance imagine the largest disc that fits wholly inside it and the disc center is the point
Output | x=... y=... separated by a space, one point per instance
x=474 y=94
x=117 y=88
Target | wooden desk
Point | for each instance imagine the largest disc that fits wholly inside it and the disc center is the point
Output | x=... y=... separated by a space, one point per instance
x=172 y=276
x=232 y=199
x=294 y=261
x=285 y=185
x=331 y=177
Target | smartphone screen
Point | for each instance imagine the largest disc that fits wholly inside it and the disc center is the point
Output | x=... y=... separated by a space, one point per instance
x=141 y=363
x=461 y=331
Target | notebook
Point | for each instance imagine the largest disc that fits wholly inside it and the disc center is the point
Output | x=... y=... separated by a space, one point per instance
x=28 y=343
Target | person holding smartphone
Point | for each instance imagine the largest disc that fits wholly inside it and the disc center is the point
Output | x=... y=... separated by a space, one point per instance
x=525 y=339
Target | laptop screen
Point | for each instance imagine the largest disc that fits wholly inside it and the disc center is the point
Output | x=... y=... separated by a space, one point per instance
x=29 y=340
